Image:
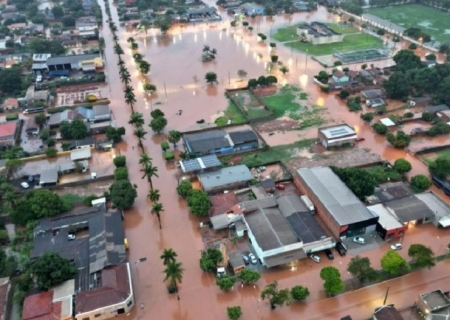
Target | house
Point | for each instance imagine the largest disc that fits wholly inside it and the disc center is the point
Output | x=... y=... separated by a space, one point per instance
x=387 y=122
x=76 y=62
x=222 y=203
x=49 y=176
x=439 y=208
x=318 y=33
x=5 y=295
x=17 y=26
x=372 y=94
x=410 y=210
x=9 y=132
x=101 y=113
x=80 y=154
x=200 y=164
x=105 y=144
x=99 y=127
x=244 y=140
x=366 y=75
x=352 y=74
x=420 y=101
x=85 y=22
x=388 y=225
x=87 y=142
x=343 y=213
x=113 y=297
x=69 y=115
x=225 y=178
x=236 y=262
x=375 y=103
x=10 y=104
x=337 y=135
x=433 y=305
x=340 y=76
x=57 y=303
x=437 y=108
x=387 y=312
x=68 y=167
x=32 y=129
x=251 y=9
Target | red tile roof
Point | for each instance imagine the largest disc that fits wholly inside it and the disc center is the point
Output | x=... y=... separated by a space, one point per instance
x=115 y=289
x=8 y=129
x=11 y=102
x=222 y=203
x=40 y=307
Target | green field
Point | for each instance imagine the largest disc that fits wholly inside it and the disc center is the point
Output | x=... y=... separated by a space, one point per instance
x=430 y=20
x=290 y=33
x=352 y=40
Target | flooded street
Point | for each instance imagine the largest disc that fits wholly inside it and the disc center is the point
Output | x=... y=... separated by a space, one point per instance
x=178 y=73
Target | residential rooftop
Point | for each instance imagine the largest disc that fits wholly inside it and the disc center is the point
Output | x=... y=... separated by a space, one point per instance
x=337 y=131
x=8 y=129
x=225 y=176
x=386 y=219
x=409 y=209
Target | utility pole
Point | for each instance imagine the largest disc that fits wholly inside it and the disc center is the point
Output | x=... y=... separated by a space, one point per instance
x=386 y=296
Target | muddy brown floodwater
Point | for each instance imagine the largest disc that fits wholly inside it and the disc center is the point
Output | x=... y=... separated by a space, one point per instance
x=175 y=61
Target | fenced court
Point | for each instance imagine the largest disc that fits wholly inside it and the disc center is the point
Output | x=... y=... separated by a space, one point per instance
x=249 y=104
x=353 y=55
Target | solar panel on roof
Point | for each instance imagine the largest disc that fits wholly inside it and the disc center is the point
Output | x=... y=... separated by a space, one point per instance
x=211 y=161
x=337 y=132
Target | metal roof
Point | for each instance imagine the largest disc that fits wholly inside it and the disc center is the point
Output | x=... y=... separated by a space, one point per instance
x=243 y=136
x=409 y=209
x=206 y=141
x=337 y=131
x=385 y=23
x=225 y=176
x=434 y=203
x=236 y=260
x=80 y=154
x=48 y=175
x=71 y=59
x=334 y=195
x=197 y=164
x=385 y=217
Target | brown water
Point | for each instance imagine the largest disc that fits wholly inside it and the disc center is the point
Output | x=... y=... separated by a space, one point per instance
x=175 y=60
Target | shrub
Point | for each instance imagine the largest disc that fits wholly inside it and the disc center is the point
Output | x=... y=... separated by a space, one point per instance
x=430 y=57
x=420 y=182
x=381 y=32
x=427 y=116
x=380 y=128
x=402 y=165
x=399 y=140
x=367 y=117
x=412 y=46
x=50 y=142
x=439 y=128
x=338 y=63
x=120 y=161
x=169 y=156
x=343 y=94
x=121 y=173
x=91 y=98
x=354 y=104
x=165 y=146
x=51 y=152
x=408 y=115
x=11 y=117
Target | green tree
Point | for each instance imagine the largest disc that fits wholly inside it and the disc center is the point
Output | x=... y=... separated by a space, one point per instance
x=150 y=171
x=225 y=282
x=234 y=313
x=157 y=208
x=123 y=194
x=130 y=97
x=439 y=128
x=323 y=77
x=13 y=165
x=78 y=129
x=136 y=119
x=165 y=146
x=10 y=81
x=211 y=78
x=276 y=297
x=360 y=181
x=184 y=188
x=241 y=74
x=145 y=24
x=299 y=293
x=440 y=167
x=274 y=59
x=198 y=202
x=402 y=165
x=115 y=134
x=284 y=69
x=422 y=255
x=333 y=283
x=249 y=276
x=173 y=137
x=40 y=119
x=361 y=269
x=140 y=133
x=157 y=113
x=145 y=160
x=163 y=23
x=120 y=161
x=58 y=12
x=399 y=140
x=64 y=128
x=153 y=195
x=51 y=152
x=380 y=128
x=406 y=60
x=174 y=274
x=394 y=264
x=158 y=124
x=68 y=21
x=168 y=256
x=252 y=83
x=398 y=85
x=7 y=264
x=210 y=259
x=367 y=117
x=144 y=67
x=150 y=88
x=420 y=182
x=51 y=269
x=121 y=174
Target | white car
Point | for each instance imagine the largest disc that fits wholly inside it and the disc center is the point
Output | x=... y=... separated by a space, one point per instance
x=25 y=185
x=315 y=258
x=252 y=258
x=397 y=246
x=359 y=240
x=38 y=78
x=71 y=237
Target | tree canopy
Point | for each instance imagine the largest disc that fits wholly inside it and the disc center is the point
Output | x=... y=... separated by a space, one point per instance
x=234 y=313
x=333 y=283
x=361 y=182
x=184 y=188
x=420 y=182
x=440 y=167
x=198 y=202
x=399 y=140
x=51 y=269
x=249 y=276
x=41 y=45
x=10 y=81
x=423 y=256
x=394 y=264
x=123 y=194
x=276 y=297
x=225 y=282
x=78 y=129
x=299 y=293
x=360 y=268
x=158 y=124
x=402 y=165
x=210 y=259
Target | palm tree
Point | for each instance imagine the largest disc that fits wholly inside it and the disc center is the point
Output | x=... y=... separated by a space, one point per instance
x=145 y=160
x=140 y=134
x=153 y=195
x=168 y=256
x=130 y=98
x=115 y=38
x=149 y=172
x=136 y=119
x=130 y=40
x=156 y=209
x=121 y=63
x=174 y=136
x=174 y=273
x=211 y=77
x=118 y=49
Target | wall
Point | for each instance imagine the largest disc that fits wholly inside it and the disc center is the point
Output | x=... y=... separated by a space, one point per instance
x=107 y=312
x=322 y=40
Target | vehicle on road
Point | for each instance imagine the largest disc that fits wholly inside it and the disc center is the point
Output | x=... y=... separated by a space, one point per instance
x=315 y=258
x=397 y=246
x=252 y=258
x=329 y=254
x=359 y=240
x=341 y=248
x=71 y=237
x=25 y=185
x=246 y=259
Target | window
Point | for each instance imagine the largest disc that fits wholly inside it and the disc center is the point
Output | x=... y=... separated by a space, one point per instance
x=121 y=311
x=129 y=303
x=97 y=315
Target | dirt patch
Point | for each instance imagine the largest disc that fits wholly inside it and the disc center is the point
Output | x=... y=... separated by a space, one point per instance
x=265 y=91
x=354 y=157
x=97 y=188
x=277 y=125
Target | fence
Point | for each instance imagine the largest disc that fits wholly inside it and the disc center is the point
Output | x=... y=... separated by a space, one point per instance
x=432 y=149
x=250 y=119
x=81 y=182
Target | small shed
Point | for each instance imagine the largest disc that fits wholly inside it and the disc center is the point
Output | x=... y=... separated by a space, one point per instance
x=387 y=122
x=80 y=154
x=49 y=176
x=236 y=261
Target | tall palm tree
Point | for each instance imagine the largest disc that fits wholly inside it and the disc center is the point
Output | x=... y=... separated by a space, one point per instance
x=153 y=195
x=136 y=119
x=118 y=49
x=157 y=208
x=130 y=98
x=145 y=160
x=174 y=273
x=149 y=172
x=168 y=256
x=140 y=134
x=115 y=38
x=121 y=63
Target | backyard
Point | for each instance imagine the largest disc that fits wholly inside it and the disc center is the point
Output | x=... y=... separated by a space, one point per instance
x=429 y=157
x=352 y=41
x=231 y=113
x=432 y=21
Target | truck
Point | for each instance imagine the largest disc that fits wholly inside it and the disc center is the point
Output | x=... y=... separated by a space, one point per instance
x=308 y=203
x=59 y=73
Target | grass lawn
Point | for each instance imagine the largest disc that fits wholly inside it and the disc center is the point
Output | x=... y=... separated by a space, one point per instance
x=342 y=28
x=283 y=103
x=232 y=113
x=290 y=33
x=441 y=154
x=430 y=20
x=278 y=153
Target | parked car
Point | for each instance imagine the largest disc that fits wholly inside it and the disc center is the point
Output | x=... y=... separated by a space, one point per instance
x=329 y=254
x=71 y=237
x=397 y=246
x=341 y=248
x=221 y=272
x=315 y=258
x=25 y=185
x=359 y=240
x=246 y=259
x=252 y=258
x=38 y=78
